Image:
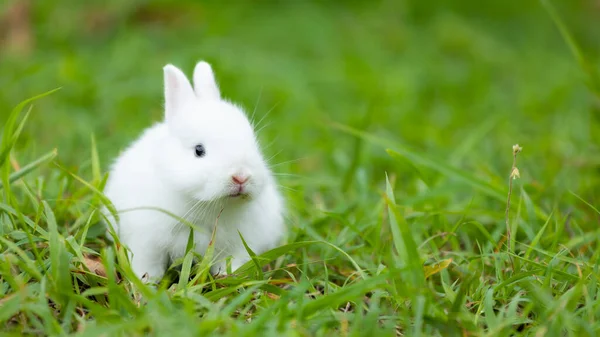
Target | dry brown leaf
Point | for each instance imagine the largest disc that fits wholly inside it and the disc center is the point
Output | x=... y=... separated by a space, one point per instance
x=272 y=296
x=94 y=265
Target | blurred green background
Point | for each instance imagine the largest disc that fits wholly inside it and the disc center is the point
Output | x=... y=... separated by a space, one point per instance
x=458 y=80
x=450 y=84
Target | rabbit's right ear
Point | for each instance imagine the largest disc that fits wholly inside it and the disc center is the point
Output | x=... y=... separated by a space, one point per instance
x=178 y=91
x=205 y=84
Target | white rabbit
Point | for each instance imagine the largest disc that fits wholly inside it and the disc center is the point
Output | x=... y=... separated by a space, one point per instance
x=202 y=162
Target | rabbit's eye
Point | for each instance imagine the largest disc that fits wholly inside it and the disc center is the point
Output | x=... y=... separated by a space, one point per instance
x=200 y=152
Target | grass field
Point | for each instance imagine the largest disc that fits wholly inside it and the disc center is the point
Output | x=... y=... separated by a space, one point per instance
x=391 y=125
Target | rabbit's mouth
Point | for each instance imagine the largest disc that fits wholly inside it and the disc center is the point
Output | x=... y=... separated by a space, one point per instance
x=239 y=192
x=239 y=196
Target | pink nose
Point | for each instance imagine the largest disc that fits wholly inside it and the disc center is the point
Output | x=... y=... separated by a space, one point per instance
x=239 y=179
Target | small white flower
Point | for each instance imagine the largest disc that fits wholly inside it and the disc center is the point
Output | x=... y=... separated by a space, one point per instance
x=517 y=148
x=515 y=173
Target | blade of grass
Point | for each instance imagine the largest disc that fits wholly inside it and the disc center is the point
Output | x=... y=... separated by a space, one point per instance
x=96 y=175
x=404 y=241
x=419 y=311
x=585 y=202
x=449 y=171
x=488 y=304
x=270 y=255
x=240 y=300
x=344 y=294
x=585 y=65
x=259 y=273
x=59 y=259
x=537 y=237
x=28 y=265
x=10 y=135
x=437 y=165
x=205 y=263
x=107 y=203
x=42 y=232
x=30 y=167
x=12 y=305
x=356 y=155
x=436 y=268
x=187 y=262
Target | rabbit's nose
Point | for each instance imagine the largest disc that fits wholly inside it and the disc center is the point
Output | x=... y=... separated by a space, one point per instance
x=240 y=179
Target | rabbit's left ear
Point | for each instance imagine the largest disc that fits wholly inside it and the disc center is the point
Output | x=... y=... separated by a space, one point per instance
x=178 y=91
x=205 y=85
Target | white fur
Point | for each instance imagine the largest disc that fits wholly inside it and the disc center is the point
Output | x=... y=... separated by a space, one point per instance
x=160 y=170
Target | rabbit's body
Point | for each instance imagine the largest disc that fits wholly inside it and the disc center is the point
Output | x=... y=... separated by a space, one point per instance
x=201 y=164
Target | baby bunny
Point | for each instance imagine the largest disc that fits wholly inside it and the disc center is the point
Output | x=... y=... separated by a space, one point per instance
x=202 y=164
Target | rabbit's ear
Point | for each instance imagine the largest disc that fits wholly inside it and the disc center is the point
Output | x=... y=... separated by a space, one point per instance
x=205 y=85
x=178 y=91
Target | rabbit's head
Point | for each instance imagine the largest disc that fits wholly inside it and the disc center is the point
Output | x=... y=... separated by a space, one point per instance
x=210 y=150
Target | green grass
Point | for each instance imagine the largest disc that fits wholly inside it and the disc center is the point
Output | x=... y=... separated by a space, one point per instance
x=390 y=125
